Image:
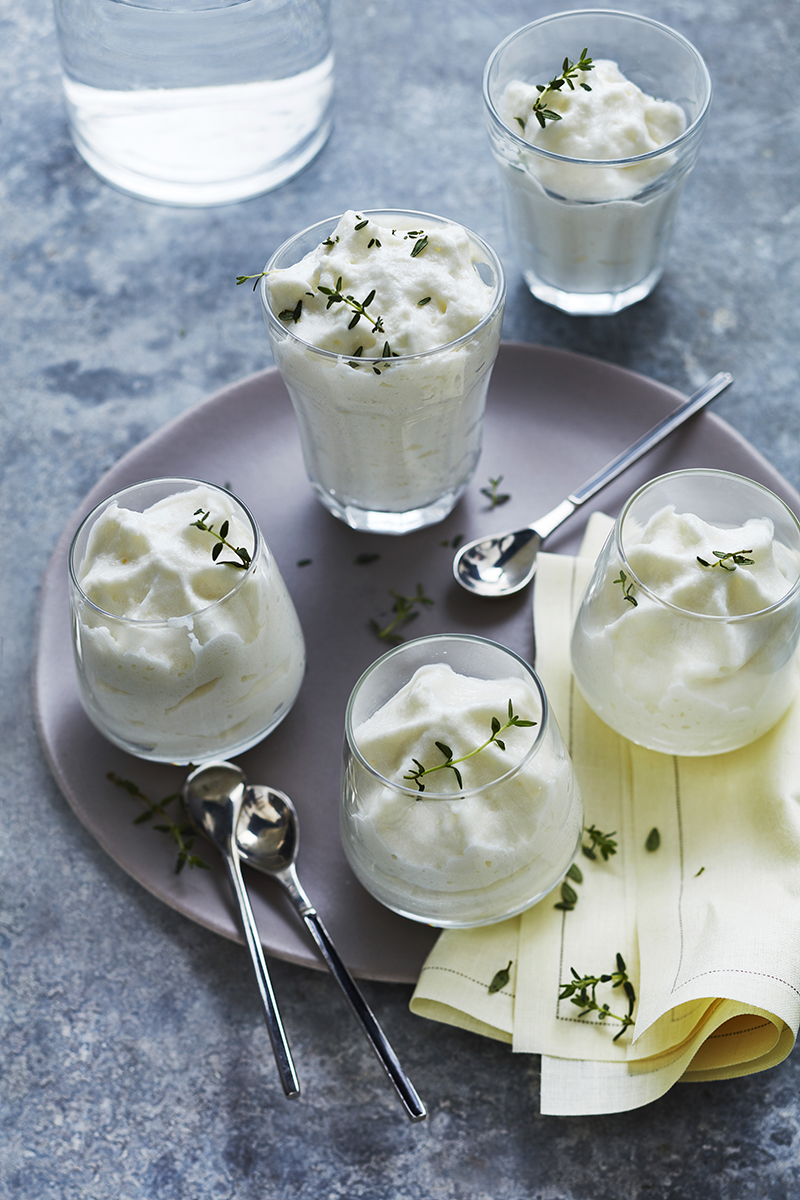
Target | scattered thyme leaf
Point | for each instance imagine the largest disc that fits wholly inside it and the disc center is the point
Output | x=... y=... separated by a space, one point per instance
x=304 y=562
x=337 y=296
x=653 y=840
x=363 y=559
x=494 y=497
x=404 y=609
x=425 y=300
x=700 y=872
x=575 y=873
x=240 y=552
x=181 y=832
x=419 y=246
x=501 y=978
x=417 y=773
x=292 y=314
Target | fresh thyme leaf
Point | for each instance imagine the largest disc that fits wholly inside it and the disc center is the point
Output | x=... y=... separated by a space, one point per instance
x=569 y=72
x=416 y=773
x=404 y=609
x=495 y=498
x=361 y=225
x=575 y=873
x=568 y=894
x=599 y=841
x=627 y=589
x=728 y=561
x=242 y=554
x=246 y=278
x=419 y=246
x=292 y=314
x=501 y=978
x=425 y=300
x=181 y=832
x=363 y=559
x=653 y=840
x=304 y=562
x=336 y=296
x=700 y=872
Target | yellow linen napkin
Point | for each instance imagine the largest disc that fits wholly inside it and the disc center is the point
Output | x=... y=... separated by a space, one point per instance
x=708 y=924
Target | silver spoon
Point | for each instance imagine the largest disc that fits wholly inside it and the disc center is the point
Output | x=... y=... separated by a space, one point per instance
x=214 y=795
x=267 y=837
x=506 y=563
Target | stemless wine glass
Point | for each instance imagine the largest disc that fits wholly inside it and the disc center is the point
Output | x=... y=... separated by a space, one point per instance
x=219 y=662
x=389 y=443
x=490 y=834
x=657 y=655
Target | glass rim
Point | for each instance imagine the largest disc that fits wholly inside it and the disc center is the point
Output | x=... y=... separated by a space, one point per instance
x=325 y=225
x=734 y=619
x=164 y=622
x=463 y=793
x=690 y=132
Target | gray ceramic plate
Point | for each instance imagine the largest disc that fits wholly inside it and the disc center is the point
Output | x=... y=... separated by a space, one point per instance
x=553 y=418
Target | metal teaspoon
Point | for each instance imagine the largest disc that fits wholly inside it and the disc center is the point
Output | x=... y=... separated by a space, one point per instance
x=214 y=795
x=506 y=563
x=267 y=836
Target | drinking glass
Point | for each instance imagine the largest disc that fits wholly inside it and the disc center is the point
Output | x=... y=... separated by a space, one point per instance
x=664 y=675
x=474 y=847
x=592 y=235
x=191 y=686
x=389 y=444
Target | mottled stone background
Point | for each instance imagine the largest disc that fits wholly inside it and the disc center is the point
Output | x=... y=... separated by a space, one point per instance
x=134 y=1062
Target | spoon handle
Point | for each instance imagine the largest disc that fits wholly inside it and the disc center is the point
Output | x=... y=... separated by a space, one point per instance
x=653 y=436
x=364 y=1014
x=277 y=1034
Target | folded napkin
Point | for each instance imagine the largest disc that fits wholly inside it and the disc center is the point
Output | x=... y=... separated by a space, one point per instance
x=708 y=924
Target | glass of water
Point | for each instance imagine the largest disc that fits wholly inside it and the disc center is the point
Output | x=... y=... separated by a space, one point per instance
x=196 y=102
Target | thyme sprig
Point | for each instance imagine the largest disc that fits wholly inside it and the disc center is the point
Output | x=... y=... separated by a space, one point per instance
x=627 y=589
x=604 y=842
x=569 y=72
x=336 y=296
x=449 y=763
x=581 y=991
x=404 y=610
x=222 y=536
x=495 y=497
x=181 y=832
x=729 y=561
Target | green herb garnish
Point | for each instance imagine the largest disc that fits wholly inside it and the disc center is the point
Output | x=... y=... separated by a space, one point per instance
x=449 y=763
x=181 y=832
x=627 y=589
x=404 y=611
x=653 y=840
x=494 y=497
x=599 y=841
x=569 y=72
x=239 y=551
x=729 y=561
x=500 y=979
x=336 y=296
x=582 y=992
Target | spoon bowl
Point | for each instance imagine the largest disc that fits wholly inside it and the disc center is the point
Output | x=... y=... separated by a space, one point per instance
x=267 y=838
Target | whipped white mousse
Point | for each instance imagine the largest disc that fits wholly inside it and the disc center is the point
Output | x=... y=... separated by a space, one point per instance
x=582 y=226
x=450 y=854
x=703 y=661
x=183 y=658
x=400 y=432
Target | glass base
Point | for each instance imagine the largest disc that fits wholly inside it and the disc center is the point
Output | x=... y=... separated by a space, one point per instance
x=374 y=521
x=198 y=194
x=591 y=304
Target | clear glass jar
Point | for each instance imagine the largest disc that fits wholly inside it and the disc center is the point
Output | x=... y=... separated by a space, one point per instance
x=197 y=683
x=474 y=847
x=389 y=444
x=653 y=667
